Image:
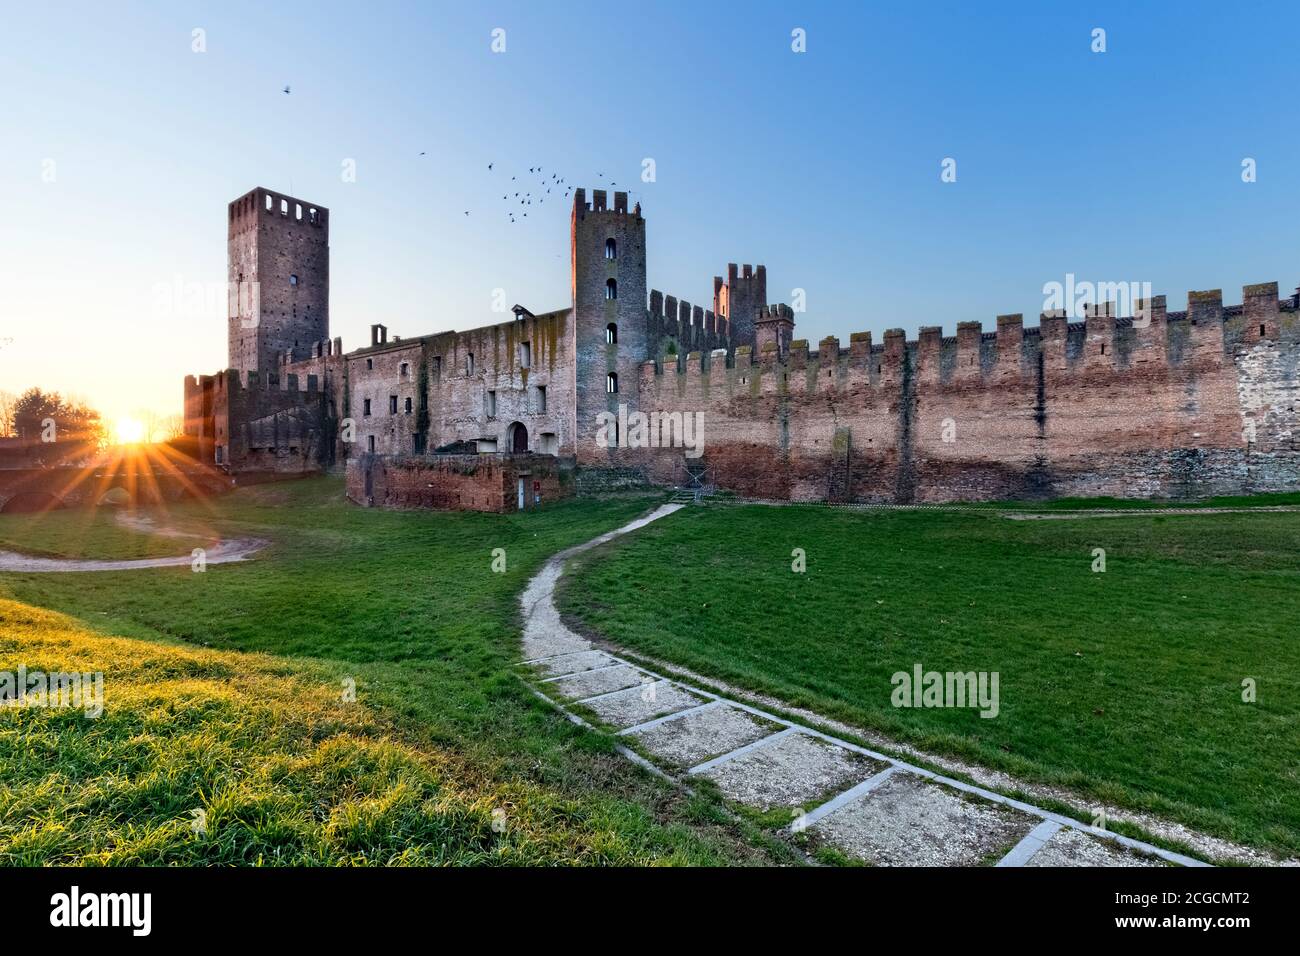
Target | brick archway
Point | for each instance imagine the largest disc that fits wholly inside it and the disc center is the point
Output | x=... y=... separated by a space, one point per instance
x=518 y=438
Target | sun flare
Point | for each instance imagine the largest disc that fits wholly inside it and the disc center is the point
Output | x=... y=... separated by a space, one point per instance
x=129 y=430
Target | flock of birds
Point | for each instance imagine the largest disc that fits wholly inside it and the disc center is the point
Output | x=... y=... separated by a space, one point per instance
x=512 y=199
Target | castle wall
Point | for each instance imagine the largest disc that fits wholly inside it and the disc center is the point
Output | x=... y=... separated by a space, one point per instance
x=1103 y=407
x=471 y=482
x=270 y=425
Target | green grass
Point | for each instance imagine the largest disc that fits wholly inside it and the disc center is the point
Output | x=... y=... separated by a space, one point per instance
x=223 y=692
x=93 y=533
x=1125 y=686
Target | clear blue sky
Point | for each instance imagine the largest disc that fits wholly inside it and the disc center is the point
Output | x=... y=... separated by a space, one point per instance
x=1120 y=166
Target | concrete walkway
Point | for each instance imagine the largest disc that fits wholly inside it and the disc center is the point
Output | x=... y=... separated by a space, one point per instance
x=838 y=796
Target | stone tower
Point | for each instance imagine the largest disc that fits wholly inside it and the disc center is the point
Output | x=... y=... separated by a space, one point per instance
x=278 y=257
x=739 y=299
x=608 y=276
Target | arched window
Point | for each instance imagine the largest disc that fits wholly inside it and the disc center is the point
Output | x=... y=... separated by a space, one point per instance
x=611 y=383
x=611 y=334
x=611 y=249
x=611 y=288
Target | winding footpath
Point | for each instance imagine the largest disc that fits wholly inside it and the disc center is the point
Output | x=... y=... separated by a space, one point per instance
x=225 y=552
x=861 y=803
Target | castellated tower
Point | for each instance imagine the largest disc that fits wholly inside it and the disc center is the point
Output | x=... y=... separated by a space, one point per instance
x=278 y=259
x=739 y=299
x=608 y=276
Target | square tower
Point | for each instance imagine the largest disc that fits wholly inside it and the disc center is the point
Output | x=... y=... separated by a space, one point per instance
x=278 y=257
x=739 y=299
x=608 y=277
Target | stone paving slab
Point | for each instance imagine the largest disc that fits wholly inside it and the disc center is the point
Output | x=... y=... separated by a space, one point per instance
x=1071 y=848
x=694 y=738
x=909 y=821
x=795 y=771
x=573 y=663
x=600 y=681
x=637 y=704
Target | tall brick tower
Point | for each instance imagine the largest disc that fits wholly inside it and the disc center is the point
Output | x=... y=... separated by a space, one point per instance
x=608 y=276
x=739 y=299
x=278 y=258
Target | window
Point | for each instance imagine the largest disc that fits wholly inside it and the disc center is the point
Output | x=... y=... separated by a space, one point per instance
x=408 y=406
x=611 y=288
x=525 y=355
x=371 y=444
x=297 y=211
x=418 y=442
x=313 y=216
x=284 y=207
x=365 y=410
x=268 y=203
x=541 y=399
x=611 y=249
x=611 y=334
x=492 y=404
x=370 y=364
x=406 y=370
x=392 y=404
x=293 y=280
x=469 y=364
x=611 y=383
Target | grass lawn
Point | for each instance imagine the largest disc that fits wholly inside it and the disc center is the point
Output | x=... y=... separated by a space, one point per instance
x=1124 y=685
x=223 y=692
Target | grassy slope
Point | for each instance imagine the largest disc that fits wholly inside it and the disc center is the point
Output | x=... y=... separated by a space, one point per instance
x=1125 y=685
x=89 y=533
x=404 y=604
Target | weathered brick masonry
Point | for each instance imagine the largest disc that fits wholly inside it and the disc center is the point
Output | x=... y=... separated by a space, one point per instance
x=1165 y=405
x=1189 y=404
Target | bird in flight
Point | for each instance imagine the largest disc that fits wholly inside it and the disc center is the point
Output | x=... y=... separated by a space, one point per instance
x=286 y=90
x=489 y=166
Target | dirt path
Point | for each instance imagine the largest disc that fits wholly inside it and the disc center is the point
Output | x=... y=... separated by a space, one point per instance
x=859 y=802
x=237 y=549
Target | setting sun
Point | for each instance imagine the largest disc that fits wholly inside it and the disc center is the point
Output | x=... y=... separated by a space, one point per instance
x=128 y=430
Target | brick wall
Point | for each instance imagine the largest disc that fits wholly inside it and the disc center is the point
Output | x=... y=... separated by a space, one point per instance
x=475 y=482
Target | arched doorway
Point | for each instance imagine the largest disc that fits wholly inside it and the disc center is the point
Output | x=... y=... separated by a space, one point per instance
x=518 y=438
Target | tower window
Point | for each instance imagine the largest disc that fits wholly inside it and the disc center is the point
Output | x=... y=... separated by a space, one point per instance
x=525 y=355
x=297 y=211
x=370 y=364
x=611 y=249
x=469 y=364
x=541 y=399
x=392 y=404
x=372 y=444
x=611 y=288
x=293 y=280
x=313 y=216
x=492 y=404
x=365 y=411
x=268 y=203
x=406 y=370
x=284 y=207
x=611 y=334
x=611 y=383
x=408 y=406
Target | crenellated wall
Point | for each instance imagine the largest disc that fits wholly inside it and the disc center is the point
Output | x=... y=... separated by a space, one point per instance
x=1164 y=404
